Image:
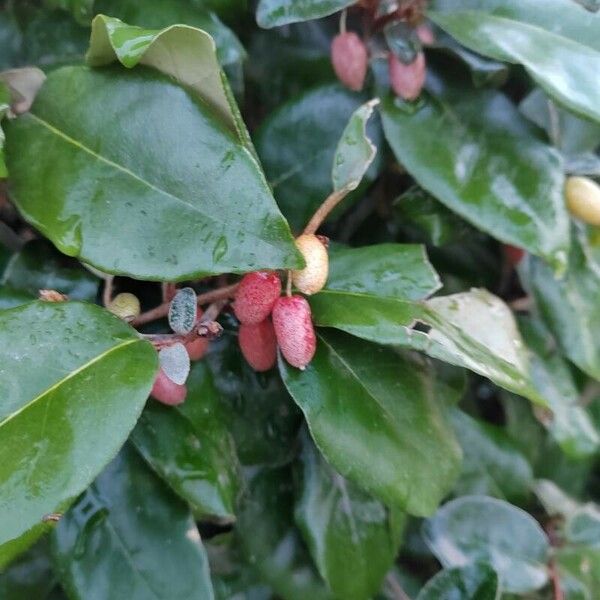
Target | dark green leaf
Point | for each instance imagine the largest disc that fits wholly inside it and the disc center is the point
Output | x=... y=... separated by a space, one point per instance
x=39 y=266
x=191 y=448
x=272 y=13
x=183 y=311
x=474 y=582
x=478 y=528
x=300 y=173
x=583 y=564
x=29 y=577
x=153 y=213
x=373 y=414
x=473 y=151
x=559 y=48
x=10 y=298
x=73 y=381
x=352 y=537
x=81 y=10
x=492 y=465
x=129 y=537
x=270 y=541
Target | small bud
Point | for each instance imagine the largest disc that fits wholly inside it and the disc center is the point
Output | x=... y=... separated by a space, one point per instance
x=259 y=345
x=513 y=254
x=350 y=60
x=125 y=306
x=294 y=330
x=167 y=391
x=407 y=80
x=255 y=296
x=52 y=296
x=313 y=277
x=583 y=199
x=197 y=348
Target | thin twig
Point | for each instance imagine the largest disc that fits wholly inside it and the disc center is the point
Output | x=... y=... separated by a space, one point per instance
x=107 y=293
x=162 y=310
x=555 y=580
x=323 y=211
x=343 y=17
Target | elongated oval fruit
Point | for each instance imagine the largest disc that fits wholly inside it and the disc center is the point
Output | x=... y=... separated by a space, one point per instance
x=349 y=59
x=197 y=348
x=313 y=277
x=258 y=344
x=407 y=81
x=255 y=296
x=167 y=391
x=294 y=330
x=583 y=199
x=125 y=306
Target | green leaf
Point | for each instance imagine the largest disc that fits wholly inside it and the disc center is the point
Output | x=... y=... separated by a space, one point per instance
x=81 y=10
x=39 y=266
x=568 y=422
x=189 y=200
x=190 y=447
x=559 y=49
x=261 y=415
x=474 y=582
x=158 y=14
x=300 y=172
x=482 y=529
x=492 y=464
x=583 y=564
x=273 y=13
x=473 y=151
x=4 y=107
x=10 y=297
x=270 y=541
x=355 y=151
x=352 y=537
x=183 y=311
x=129 y=537
x=373 y=415
x=73 y=381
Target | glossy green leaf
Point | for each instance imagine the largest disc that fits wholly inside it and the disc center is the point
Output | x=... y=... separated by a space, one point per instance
x=568 y=422
x=273 y=13
x=261 y=415
x=482 y=529
x=355 y=151
x=559 y=49
x=474 y=582
x=183 y=311
x=28 y=577
x=189 y=200
x=300 y=173
x=373 y=415
x=352 y=537
x=39 y=266
x=81 y=10
x=73 y=381
x=129 y=537
x=270 y=541
x=190 y=447
x=158 y=14
x=11 y=297
x=583 y=564
x=492 y=463
x=473 y=152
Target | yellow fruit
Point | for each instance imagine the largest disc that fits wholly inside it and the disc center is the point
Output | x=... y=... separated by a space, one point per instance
x=125 y=306
x=583 y=199
x=312 y=278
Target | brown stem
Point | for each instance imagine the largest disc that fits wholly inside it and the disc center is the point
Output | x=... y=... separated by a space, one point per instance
x=323 y=211
x=288 y=285
x=162 y=310
x=555 y=580
x=107 y=293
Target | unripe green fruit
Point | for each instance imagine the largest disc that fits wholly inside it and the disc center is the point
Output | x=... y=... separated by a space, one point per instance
x=125 y=306
x=583 y=199
x=313 y=277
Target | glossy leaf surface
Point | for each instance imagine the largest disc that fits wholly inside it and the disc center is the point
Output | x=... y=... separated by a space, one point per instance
x=474 y=582
x=272 y=13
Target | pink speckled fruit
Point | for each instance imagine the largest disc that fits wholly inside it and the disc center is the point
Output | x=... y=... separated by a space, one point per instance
x=255 y=296
x=407 y=80
x=349 y=59
x=197 y=349
x=294 y=330
x=167 y=391
x=258 y=345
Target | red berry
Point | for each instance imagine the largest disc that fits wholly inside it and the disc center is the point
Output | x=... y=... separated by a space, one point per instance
x=197 y=349
x=167 y=391
x=513 y=254
x=349 y=58
x=256 y=296
x=407 y=80
x=294 y=330
x=258 y=345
